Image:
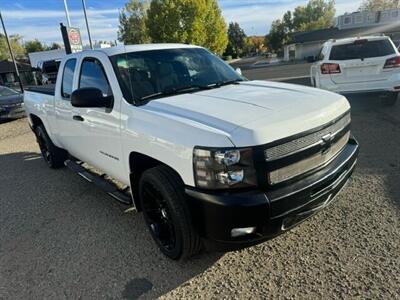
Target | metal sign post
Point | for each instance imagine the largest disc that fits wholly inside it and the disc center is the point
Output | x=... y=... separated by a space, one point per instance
x=87 y=24
x=11 y=54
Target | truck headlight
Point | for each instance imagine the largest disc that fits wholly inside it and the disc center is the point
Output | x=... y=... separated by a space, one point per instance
x=223 y=168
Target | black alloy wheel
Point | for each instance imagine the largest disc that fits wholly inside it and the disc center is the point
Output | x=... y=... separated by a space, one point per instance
x=158 y=217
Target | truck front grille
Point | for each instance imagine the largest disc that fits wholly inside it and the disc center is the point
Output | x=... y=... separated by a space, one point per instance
x=309 y=163
x=311 y=151
x=301 y=143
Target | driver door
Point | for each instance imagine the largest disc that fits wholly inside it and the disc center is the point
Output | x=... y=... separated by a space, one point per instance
x=98 y=140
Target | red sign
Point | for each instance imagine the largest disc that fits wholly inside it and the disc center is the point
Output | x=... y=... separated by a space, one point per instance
x=74 y=37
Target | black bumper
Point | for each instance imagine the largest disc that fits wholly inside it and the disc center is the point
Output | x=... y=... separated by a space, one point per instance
x=272 y=211
x=14 y=112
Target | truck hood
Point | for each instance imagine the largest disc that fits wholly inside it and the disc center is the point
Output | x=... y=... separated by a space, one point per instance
x=254 y=112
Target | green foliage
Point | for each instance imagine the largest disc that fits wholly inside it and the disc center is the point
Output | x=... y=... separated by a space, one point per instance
x=278 y=36
x=237 y=40
x=132 y=19
x=254 y=45
x=197 y=22
x=376 y=5
x=317 y=14
x=18 y=49
x=54 y=46
x=34 y=46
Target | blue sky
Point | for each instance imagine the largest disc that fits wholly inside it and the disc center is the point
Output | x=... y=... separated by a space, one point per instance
x=40 y=18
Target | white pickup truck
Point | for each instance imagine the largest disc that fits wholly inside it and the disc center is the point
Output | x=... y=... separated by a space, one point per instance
x=210 y=158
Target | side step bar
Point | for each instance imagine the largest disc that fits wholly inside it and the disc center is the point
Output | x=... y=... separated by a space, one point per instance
x=99 y=180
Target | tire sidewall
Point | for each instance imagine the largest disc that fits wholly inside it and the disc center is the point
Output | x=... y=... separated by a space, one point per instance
x=153 y=180
x=42 y=136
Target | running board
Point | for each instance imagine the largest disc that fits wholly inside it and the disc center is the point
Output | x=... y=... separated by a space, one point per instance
x=106 y=185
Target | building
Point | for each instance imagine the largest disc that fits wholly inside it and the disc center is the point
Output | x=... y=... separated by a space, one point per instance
x=308 y=44
x=8 y=76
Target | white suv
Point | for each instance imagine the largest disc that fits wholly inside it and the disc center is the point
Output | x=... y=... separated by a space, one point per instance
x=359 y=65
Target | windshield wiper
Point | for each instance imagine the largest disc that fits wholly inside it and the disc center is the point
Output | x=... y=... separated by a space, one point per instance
x=177 y=91
x=227 y=82
x=188 y=89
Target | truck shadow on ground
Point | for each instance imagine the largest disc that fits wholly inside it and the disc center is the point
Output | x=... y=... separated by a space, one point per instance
x=62 y=237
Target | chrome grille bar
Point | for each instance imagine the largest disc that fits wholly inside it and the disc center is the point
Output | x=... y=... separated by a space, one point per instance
x=314 y=161
x=307 y=141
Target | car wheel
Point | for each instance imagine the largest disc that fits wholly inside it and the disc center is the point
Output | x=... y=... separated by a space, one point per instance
x=390 y=99
x=53 y=155
x=167 y=216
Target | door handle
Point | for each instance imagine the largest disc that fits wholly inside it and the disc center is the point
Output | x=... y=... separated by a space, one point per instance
x=78 y=118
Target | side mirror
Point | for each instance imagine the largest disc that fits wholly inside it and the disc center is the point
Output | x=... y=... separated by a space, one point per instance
x=239 y=71
x=90 y=97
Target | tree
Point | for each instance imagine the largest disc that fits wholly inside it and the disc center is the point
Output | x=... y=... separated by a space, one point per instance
x=277 y=37
x=15 y=41
x=197 y=22
x=376 y=5
x=132 y=23
x=34 y=46
x=54 y=46
x=237 y=39
x=317 y=14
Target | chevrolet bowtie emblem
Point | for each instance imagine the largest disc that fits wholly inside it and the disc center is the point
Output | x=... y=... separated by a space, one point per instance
x=326 y=142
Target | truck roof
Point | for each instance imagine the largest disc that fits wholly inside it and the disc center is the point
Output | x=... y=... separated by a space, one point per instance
x=141 y=47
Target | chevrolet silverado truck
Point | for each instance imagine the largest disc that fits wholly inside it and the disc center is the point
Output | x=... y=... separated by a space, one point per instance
x=212 y=159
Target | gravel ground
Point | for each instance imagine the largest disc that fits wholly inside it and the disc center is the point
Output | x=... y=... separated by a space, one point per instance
x=62 y=238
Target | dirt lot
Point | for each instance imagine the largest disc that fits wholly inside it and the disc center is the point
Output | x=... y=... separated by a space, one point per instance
x=62 y=238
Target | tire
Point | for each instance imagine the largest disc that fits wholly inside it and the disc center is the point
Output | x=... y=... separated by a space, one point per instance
x=53 y=156
x=164 y=205
x=390 y=99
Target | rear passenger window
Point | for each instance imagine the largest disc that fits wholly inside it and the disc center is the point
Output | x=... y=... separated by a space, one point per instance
x=93 y=75
x=68 y=77
x=361 y=49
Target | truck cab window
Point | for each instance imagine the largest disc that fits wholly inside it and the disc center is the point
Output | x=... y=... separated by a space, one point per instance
x=68 y=77
x=93 y=75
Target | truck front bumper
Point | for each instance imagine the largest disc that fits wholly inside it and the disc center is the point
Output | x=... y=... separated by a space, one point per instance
x=269 y=212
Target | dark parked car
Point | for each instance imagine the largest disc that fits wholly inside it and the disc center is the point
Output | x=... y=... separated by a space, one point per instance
x=11 y=104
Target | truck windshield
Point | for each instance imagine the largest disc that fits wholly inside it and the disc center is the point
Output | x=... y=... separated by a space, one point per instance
x=152 y=74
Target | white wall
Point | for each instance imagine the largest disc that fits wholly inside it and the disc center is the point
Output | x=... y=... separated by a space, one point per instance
x=309 y=49
x=36 y=57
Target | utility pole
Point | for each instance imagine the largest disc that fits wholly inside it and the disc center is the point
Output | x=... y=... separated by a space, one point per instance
x=87 y=24
x=67 y=13
x=11 y=53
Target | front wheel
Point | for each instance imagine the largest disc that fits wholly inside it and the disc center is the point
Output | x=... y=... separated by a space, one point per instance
x=166 y=213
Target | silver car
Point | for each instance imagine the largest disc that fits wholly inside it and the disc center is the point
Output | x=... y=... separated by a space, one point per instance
x=11 y=104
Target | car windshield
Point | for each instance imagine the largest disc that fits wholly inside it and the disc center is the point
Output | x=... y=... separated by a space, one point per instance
x=152 y=74
x=361 y=49
x=4 y=91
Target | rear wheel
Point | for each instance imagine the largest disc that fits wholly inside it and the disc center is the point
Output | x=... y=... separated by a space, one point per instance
x=165 y=210
x=53 y=155
x=390 y=99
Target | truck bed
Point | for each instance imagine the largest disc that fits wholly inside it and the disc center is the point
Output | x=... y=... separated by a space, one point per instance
x=43 y=89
